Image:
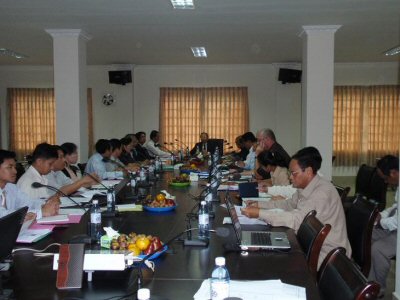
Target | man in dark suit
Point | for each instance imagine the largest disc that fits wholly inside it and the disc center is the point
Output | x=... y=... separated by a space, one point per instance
x=203 y=146
x=141 y=152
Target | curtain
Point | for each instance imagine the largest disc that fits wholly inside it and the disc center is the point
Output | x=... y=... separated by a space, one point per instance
x=32 y=118
x=222 y=112
x=366 y=123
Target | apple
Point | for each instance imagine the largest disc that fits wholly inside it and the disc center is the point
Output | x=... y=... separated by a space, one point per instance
x=156 y=242
x=149 y=249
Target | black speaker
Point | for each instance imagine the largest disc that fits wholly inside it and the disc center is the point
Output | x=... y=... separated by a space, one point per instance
x=120 y=77
x=289 y=76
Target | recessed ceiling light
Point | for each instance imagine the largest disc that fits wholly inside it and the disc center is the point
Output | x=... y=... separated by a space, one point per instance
x=393 y=51
x=182 y=4
x=8 y=52
x=199 y=51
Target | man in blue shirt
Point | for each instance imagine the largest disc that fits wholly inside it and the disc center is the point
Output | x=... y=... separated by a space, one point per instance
x=12 y=198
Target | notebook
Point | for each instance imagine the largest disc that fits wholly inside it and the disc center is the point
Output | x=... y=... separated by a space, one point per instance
x=256 y=240
x=248 y=189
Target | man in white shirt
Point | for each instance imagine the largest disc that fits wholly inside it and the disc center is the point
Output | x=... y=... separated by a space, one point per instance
x=12 y=198
x=56 y=178
x=43 y=158
x=154 y=148
x=384 y=235
x=250 y=143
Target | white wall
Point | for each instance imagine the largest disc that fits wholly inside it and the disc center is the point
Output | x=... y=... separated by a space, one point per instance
x=136 y=105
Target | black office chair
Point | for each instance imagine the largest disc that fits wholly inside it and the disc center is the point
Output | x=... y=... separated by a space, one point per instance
x=343 y=193
x=340 y=279
x=311 y=235
x=360 y=218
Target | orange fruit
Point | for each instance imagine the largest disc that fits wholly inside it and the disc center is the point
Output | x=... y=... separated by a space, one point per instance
x=142 y=243
x=160 y=197
x=134 y=249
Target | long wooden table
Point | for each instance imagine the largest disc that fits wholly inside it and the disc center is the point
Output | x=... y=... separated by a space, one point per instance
x=179 y=272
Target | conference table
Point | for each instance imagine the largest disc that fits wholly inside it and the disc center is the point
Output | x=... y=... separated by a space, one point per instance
x=179 y=271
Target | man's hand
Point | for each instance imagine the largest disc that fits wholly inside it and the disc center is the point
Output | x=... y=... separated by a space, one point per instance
x=251 y=212
x=88 y=181
x=51 y=207
x=30 y=216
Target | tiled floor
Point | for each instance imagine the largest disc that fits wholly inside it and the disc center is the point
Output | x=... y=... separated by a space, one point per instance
x=350 y=181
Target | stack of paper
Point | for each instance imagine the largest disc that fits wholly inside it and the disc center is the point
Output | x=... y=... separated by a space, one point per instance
x=256 y=290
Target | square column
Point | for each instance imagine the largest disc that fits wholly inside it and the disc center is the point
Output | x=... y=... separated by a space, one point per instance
x=70 y=87
x=317 y=91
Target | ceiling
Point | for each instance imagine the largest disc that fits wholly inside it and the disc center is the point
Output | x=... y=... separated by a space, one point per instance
x=143 y=32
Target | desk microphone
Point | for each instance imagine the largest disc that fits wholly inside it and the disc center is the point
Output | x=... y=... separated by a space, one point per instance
x=219 y=231
x=37 y=185
x=182 y=143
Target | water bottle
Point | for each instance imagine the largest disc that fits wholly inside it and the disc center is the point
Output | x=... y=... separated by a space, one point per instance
x=143 y=294
x=216 y=156
x=111 y=200
x=187 y=152
x=219 y=283
x=142 y=175
x=157 y=164
x=95 y=221
x=172 y=159
x=204 y=222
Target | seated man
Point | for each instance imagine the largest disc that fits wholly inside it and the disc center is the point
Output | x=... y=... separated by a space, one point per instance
x=43 y=158
x=97 y=162
x=203 y=146
x=384 y=235
x=56 y=177
x=314 y=193
x=141 y=152
x=154 y=148
x=250 y=143
x=12 y=198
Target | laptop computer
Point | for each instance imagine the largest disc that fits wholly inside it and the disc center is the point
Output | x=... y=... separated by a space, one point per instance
x=256 y=240
x=10 y=226
x=248 y=189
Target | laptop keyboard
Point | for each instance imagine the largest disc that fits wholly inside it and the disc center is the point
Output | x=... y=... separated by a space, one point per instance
x=260 y=238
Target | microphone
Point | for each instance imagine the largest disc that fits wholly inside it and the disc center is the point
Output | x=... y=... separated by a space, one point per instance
x=95 y=179
x=37 y=185
x=182 y=143
x=219 y=231
x=165 y=148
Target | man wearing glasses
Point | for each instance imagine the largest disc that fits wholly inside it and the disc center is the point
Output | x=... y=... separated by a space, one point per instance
x=384 y=235
x=313 y=193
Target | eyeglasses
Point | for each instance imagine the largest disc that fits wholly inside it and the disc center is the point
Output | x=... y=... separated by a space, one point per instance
x=292 y=173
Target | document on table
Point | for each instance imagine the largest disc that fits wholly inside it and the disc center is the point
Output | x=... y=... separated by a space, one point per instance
x=107 y=183
x=57 y=219
x=256 y=290
x=71 y=211
x=224 y=187
x=32 y=235
x=90 y=193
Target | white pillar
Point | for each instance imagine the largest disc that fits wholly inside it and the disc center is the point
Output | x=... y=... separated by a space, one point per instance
x=69 y=48
x=317 y=91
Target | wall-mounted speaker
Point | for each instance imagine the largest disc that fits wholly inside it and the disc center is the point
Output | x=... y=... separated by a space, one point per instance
x=289 y=76
x=120 y=77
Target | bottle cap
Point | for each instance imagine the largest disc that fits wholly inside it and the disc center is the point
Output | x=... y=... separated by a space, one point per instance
x=95 y=201
x=203 y=202
x=143 y=294
x=220 y=261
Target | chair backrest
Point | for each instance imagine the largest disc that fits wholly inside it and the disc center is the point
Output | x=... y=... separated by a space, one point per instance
x=363 y=179
x=311 y=236
x=377 y=190
x=343 y=192
x=360 y=218
x=340 y=279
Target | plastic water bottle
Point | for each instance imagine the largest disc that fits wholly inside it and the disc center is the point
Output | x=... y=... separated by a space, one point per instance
x=95 y=221
x=204 y=221
x=187 y=152
x=142 y=175
x=219 y=283
x=143 y=294
x=111 y=199
x=157 y=163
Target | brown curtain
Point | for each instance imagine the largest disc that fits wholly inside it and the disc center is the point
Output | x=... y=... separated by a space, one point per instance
x=366 y=123
x=32 y=118
x=222 y=112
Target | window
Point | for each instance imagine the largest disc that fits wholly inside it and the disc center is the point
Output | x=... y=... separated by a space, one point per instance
x=32 y=118
x=186 y=112
x=366 y=123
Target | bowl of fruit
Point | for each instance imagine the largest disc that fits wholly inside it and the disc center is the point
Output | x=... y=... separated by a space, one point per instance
x=180 y=181
x=187 y=169
x=160 y=204
x=139 y=245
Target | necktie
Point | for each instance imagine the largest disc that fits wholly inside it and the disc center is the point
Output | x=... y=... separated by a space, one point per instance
x=3 y=199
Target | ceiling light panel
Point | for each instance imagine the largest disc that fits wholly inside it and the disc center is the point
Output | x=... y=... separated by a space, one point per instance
x=199 y=51
x=393 y=51
x=12 y=53
x=182 y=4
